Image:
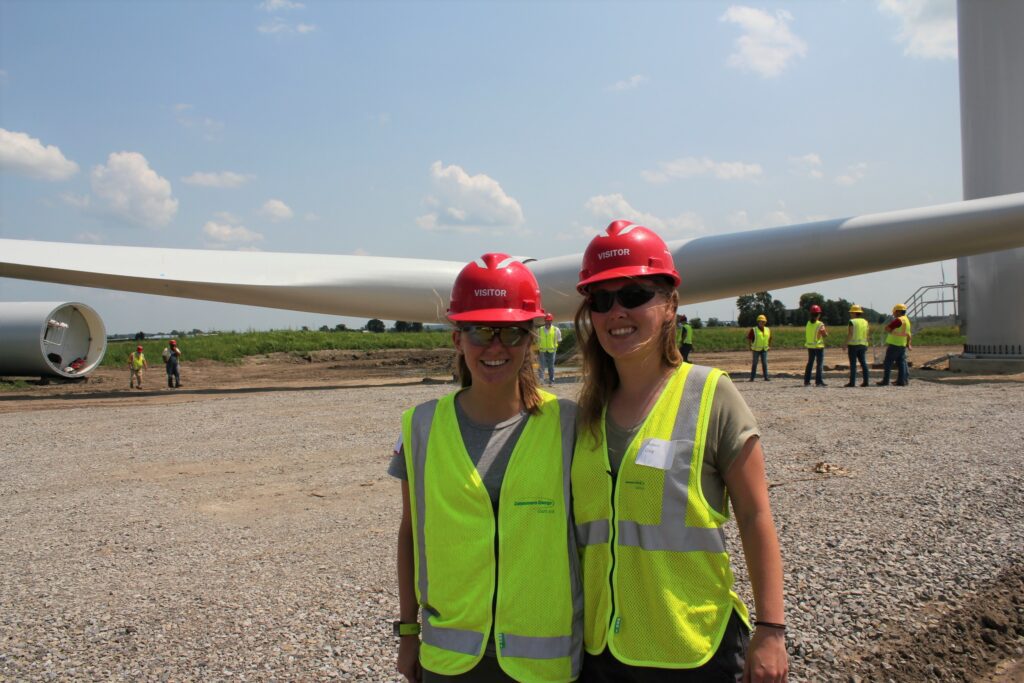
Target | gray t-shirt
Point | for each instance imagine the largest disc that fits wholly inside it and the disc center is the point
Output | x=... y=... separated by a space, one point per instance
x=730 y=426
x=489 y=446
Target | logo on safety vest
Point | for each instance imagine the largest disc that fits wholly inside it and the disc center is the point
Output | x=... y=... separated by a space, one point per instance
x=612 y=252
x=543 y=506
x=490 y=292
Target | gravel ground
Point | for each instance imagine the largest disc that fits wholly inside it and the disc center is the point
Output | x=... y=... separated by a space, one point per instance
x=252 y=536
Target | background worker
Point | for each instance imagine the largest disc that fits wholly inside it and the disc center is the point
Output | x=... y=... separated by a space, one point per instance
x=897 y=340
x=685 y=335
x=492 y=456
x=548 y=339
x=662 y=449
x=814 y=340
x=136 y=363
x=760 y=338
x=857 y=345
x=172 y=358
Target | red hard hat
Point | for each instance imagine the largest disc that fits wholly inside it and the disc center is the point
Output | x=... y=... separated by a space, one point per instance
x=495 y=288
x=138 y=348
x=548 y=317
x=626 y=250
x=815 y=308
x=174 y=343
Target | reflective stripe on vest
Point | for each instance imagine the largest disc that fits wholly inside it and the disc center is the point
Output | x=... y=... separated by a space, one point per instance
x=546 y=340
x=537 y=614
x=811 y=338
x=762 y=339
x=900 y=335
x=659 y=592
x=860 y=332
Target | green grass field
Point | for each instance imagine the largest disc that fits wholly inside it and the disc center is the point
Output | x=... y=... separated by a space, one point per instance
x=232 y=347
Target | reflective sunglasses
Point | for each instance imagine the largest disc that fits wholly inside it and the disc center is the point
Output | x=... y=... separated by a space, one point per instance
x=630 y=296
x=482 y=335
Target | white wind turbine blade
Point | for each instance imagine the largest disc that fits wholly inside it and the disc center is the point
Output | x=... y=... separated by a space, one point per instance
x=712 y=267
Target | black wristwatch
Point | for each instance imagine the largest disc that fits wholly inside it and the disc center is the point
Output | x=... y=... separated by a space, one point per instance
x=402 y=628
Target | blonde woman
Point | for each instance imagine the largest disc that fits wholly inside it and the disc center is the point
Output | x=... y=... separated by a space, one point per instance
x=488 y=574
x=662 y=448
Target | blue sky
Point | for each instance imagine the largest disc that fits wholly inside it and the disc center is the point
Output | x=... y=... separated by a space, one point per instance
x=448 y=129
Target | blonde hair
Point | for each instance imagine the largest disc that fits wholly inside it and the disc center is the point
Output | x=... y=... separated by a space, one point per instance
x=529 y=391
x=600 y=376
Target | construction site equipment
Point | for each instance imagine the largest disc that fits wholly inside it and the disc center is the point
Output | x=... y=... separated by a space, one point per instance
x=50 y=339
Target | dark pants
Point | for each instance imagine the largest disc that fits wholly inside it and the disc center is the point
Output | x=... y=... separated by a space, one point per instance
x=858 y=354
x=173 y=375
x=814 y=356
x=725 y=665
x=763 y=355
x=898 y=355
x=685 y=350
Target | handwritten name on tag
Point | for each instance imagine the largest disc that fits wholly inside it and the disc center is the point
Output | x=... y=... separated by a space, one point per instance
x=655 y=453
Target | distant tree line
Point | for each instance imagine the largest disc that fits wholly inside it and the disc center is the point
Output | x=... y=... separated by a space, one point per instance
x=833 y=311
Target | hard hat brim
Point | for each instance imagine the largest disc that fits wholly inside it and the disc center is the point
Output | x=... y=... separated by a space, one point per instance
x=627 y=271
x=495 y=315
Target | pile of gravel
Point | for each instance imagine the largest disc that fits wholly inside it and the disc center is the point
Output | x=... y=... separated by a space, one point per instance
x=252 y=537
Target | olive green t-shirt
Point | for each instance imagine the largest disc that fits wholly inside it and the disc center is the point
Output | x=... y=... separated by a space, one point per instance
x=730 y=426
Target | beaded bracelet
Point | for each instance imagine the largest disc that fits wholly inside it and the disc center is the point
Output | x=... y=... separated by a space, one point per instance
x=769 y=624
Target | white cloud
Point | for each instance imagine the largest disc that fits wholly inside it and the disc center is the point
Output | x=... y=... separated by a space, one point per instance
x=465 y=203
x=610 y=207
x=311 y=217
x=26 y=155
x=223 y=179
x=210 y=128
x=690 y=167
x=767 y=45
x=224 y=234
x=927 y=27
x=278 y=26
x=132 y=191
x=630 y=83
x=276 y=210
x=807 y=165
x=854 y=174
x=278 y=5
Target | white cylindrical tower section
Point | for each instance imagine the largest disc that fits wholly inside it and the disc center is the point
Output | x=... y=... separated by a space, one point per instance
x=991 y=36
x=47 y=338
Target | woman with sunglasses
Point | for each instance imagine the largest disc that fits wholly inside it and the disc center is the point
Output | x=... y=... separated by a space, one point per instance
x=660 y=446
x=485 y=547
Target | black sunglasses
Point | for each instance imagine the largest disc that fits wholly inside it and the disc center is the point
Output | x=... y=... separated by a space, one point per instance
x=630 y=296
x=482 y=335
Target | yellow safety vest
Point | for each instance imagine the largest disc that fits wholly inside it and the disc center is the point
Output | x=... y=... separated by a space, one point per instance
x=547 y=339
x=900 y=335
x=762 y=339
x=138 y=360
x=811 y=338
x=531 y=594
x=688 y=337
x=860 y=332
x=657 y=584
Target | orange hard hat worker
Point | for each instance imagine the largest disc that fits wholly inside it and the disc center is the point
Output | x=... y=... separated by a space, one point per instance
x=495 y=288
x=625 y=249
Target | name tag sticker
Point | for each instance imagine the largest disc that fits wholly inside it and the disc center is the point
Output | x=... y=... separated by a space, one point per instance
x=655 y=453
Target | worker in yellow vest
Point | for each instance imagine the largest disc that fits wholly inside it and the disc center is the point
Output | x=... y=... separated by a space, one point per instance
x=684 y=337
x=488 y=571
x=548 y=339
x=897 y=340
x=662 y=448
x=814 y=341
x=857 y=345
x=136 y=364
x=760 y=338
